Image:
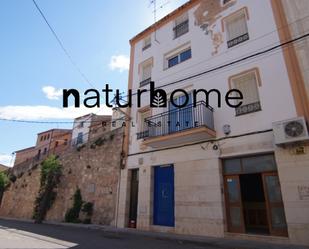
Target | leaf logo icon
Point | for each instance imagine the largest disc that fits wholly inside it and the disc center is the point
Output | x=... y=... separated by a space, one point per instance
x=158 y=100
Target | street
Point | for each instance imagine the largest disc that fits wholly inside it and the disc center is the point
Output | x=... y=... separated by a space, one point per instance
x=15 y=234
x=25 y=235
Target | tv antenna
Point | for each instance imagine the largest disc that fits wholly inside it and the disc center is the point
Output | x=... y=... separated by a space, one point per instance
x=155 y=9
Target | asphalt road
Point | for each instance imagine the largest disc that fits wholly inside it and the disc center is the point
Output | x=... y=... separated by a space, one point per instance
x=25 y=235
x=16 y=234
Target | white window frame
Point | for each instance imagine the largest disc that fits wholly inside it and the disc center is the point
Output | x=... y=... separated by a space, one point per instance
x=231 y=40
x=174 y=53
x=251 y=106
x=146 y=43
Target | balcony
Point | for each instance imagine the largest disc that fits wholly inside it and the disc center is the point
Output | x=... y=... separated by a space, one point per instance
x=238 y=40
x=145 y=82
x=179 y=126
x=146 y=46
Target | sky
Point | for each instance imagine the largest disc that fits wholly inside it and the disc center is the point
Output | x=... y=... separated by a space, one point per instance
x=34 y=69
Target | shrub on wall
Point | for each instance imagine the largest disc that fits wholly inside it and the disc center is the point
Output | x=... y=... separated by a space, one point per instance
x=4 y=181
x=50 y=178
x=72 y=215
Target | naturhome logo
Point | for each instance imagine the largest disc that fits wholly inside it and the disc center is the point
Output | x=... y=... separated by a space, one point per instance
x=157 y=97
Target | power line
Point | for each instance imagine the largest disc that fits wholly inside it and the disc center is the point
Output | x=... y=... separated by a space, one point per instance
x=246 y=58
x=233 y=62
x=61 y=44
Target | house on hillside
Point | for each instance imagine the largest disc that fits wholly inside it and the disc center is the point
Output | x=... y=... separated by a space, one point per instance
x=82 y=126
x=53 y=141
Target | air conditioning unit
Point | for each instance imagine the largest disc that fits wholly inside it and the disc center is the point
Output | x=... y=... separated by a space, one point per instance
x=291 y=130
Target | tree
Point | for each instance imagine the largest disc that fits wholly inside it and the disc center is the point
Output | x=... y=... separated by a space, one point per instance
x=50 y=178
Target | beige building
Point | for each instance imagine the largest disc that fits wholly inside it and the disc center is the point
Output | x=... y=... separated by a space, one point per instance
x=53 y=141
x=209 y=169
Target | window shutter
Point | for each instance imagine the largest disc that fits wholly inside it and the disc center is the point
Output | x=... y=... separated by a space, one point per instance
x=143 y=116
x=247 y=84
x=146 y=72
x=181 y=19
x=236 y=26
x=147 y=41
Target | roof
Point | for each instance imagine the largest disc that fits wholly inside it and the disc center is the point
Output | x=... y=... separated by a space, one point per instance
x=164 y=20
x=64 y=130
x=93 y=115
x=29 y=148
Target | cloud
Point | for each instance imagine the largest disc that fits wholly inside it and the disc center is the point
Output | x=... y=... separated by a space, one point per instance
x=119 y=62
x=41 y=112
x=6 y=160
x=51 y=92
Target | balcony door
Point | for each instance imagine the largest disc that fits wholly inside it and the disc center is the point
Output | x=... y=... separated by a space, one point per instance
x=180 y=118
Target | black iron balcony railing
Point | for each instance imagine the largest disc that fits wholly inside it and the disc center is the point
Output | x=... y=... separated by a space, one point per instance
x=145 y=82
x=181 y=29
x=178 y=120
x=249 y=108
x=146 y=46
x=143 y=134
x=238 y=40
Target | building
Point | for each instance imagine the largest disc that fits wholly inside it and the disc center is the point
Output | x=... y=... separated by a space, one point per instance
x=53 y=141
x=24 y=155
x=215 y=170
x=83 y=124
x=118 y=118
x=3 y=167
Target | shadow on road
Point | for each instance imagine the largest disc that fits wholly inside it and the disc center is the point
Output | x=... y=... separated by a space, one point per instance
x=84 y=238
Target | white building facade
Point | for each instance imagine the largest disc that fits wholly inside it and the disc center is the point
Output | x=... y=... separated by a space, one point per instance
x=215 y=170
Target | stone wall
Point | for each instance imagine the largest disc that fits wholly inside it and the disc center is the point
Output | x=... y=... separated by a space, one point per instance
x=93 y=168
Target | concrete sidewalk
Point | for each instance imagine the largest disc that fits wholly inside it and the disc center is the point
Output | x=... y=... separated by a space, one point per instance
x=228 y=242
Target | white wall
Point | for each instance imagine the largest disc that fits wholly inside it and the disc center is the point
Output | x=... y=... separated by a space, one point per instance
x=85 y=129
x=275 y=93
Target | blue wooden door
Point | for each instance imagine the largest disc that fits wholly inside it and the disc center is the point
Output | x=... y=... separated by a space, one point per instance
x=163 y=214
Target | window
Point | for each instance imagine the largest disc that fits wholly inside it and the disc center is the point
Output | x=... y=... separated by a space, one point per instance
x=181 y=25
x=145 y=75
x=181 y=118
x=56 y=144
x=41 y=138
x=225 y=2
x=82 y=124
x=247 y=83
x=48 y=136
x=44 y=151
x=146 y=43
x=173 y=61
x=236 y=28
x=79 y=138
x=180 y=57
x=143 y=126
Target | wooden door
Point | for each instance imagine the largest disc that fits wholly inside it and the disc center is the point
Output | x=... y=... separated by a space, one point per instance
x=233 y=202
x=274 y=204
